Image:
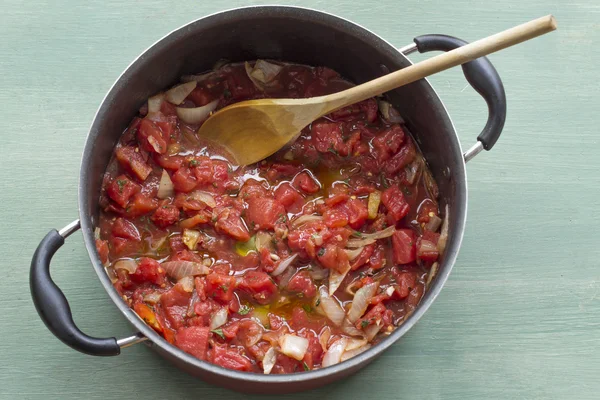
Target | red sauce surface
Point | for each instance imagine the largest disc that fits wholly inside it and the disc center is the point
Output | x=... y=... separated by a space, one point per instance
x=231 y=227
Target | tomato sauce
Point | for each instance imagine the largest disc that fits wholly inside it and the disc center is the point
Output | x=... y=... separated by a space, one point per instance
x=295 y=263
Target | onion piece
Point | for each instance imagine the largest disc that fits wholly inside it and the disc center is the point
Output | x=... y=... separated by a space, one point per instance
x=180 y=269
x=198 y=114
x=389 y=113
x=352 y=254
x=333 y=355
x=263 y=240
x=178 y=94
x=112 y=275
x=293 y=346
x=127 y=264
x=361 y=301
x=354 y=344
x=263 y=73
x=324 y=337
x=331 y=308
x=219 y=318
x=412 y=171
x=431 y=273
x=156 y=243
x=349 y=329
x=197 y=78
x=441 y=244
x=155 y=102
x=351 y=353
x=97 y=233
x=301 y=220
x=191 y=238
x=187 y=283
x=152 y=297
x=336 y=278
x=370 y=238
x=317 y=272
x=372 y=330
x=204 y=197
x=269 y=360
x=373 y=204
x=426 y=246
x=283 y=265
x=434 y=223
x=165 y=186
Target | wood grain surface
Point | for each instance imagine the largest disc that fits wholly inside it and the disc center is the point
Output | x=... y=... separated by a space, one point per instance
x=519 y=317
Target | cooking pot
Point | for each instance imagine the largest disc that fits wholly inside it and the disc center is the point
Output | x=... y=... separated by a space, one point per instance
x=283 y=33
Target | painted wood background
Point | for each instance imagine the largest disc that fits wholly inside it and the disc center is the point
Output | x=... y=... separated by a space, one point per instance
x=520 y=315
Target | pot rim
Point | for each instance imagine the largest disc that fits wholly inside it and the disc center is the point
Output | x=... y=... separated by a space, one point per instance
x=351 y=364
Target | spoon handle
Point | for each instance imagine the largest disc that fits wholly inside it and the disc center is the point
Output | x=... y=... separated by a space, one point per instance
x=458 y=56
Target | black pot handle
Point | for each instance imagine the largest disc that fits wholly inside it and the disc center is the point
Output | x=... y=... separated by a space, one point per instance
x=51 y=304
x=484 y=78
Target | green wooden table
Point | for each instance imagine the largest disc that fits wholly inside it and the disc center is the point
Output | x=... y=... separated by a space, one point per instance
x=519 y=317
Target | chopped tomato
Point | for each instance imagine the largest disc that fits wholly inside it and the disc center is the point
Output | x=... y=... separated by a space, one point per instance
x=102 y=248
x=175 y=303
x=132 y=159
x=140 y=205
x=151 y=137
x=184 y=180
x=393 y=199
x=259 y=285
x=404 y=245
x=230 y=359
x=149 y=270
x=264 y=213
x=306 y=183
x=387 y=143
x=165 y=215
x=121 y=189
x=229 y=221
x=220 y=287
x=125 y=229
x=193 y=340
x=289 y=197
x=302 y=283
x=333 y=257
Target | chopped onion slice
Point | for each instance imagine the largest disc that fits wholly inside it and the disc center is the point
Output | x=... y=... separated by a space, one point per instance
x=187 y=283
x=204 y=197
x=156 y=243
x=352 y=254
x=336 y=278
x=97 y=233
x=152 y=297
x=432 y=273
x=434 y=223
x=334 y=354
x=269 y=360
x=155 y=102
x=198 y=114
x=426 y=246
x=441 y=244
x=263 y=240
x=283 y=265
x=219 y=318
x=178 y=94
x=190 y=238
x=293 y=346
x=349 y=329
x=373 y=204
x=317 y=272
x=110 y=271
x=324 y=337
x=180 y=269
x=351 y=353
x=361 y=301
x=354 y=344
x=370 y=238
x=128 y=265
x=372 y=330
x=331 y=308
x=301 y=220
x=263 y=73
x=165 y=186
x=412 y=171
x=389 y=113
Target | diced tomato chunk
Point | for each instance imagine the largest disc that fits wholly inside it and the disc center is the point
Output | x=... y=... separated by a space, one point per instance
x=264 y=212
x=387 y=143
x=426 y=208
x=140 y=205
x=172 y=163
x=259 y=285
x=200 y=96
x=220 y=287
x=151 y=137
x=230 y=359
x=363 y=257
x=405 y=282
x=175 y=303
x=184 y=180
x=393 y=199
x=333 y=257
x=121 y=189
x=229 y=221
x=404 y=245
x=357 y=213
x=165 y=215
x=302 y=283
x=125 y=229
x=289 y=197
x=134 y=161
x=335 y=217
x=149 y=270
x=102 y=248
x=306 y=183
x=427 y=246
x=193 y=340
x=404 y=157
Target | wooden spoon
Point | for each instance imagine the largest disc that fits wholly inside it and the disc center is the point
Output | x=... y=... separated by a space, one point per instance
x=253 y=130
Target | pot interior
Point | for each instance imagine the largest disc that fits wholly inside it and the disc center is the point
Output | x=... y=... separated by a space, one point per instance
x=287 y=34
